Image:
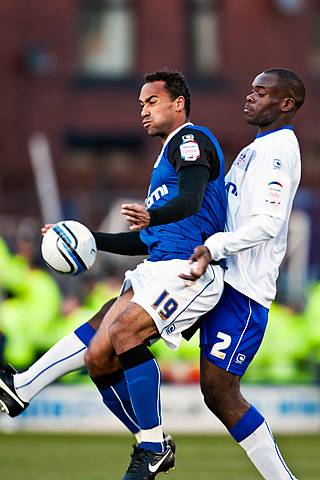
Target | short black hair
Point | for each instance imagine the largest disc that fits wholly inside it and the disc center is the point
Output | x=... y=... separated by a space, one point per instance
x=175 y=83
x=291 y=83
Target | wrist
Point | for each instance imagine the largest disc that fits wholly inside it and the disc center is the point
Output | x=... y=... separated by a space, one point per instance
x=151 y=217
x=215 y=246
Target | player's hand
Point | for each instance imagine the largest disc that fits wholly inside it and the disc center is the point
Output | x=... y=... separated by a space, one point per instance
x=198 y=262
x=136 y=215
x=46 y=227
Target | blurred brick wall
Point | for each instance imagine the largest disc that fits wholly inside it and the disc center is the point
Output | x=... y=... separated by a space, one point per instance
x=253 y=36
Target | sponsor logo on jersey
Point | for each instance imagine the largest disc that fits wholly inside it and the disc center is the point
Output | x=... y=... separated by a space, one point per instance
x=277 y=163
x=244 y=158
x=232 y=188
x=186 y=138
x=189 y=149
x=274 y=192
x=156 y=195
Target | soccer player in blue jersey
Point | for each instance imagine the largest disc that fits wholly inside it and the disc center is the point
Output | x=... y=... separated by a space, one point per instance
x=186 y=201
x=261 y=185
x=186 y=204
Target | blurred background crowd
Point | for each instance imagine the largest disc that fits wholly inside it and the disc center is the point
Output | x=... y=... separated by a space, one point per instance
x=72 y=147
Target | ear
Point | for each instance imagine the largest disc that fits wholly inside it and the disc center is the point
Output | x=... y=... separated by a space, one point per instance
x=179 y=103
x=287 y=104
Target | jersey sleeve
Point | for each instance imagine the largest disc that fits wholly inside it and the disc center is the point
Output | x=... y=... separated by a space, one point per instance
x=193 y=147
x=273 y=184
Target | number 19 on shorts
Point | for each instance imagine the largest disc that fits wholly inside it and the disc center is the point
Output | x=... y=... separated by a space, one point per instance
x=167 y=304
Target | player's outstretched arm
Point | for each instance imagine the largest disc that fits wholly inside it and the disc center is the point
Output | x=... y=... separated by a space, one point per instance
x=125 y=243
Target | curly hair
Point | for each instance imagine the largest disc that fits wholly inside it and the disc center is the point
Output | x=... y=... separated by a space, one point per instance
x=175 y=83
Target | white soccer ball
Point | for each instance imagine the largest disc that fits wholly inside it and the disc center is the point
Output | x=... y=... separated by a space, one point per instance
x=69 y=247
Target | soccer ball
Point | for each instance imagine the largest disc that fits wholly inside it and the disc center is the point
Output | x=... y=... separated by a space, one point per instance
x=69 y=247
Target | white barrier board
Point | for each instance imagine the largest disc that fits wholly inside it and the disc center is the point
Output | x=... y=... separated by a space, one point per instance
x=79 y=408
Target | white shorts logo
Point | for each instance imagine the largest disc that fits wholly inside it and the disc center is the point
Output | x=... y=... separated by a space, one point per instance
x=240 y=358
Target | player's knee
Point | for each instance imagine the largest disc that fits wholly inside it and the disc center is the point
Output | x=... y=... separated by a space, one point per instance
x=224 y=401
x=96 y=363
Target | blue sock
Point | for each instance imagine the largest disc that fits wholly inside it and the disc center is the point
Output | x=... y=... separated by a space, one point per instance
x=85 y=333
x=250 y=421
x=143 y=378
x=116 y=397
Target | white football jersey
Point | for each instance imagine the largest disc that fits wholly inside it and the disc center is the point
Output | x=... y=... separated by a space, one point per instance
x=262 y=180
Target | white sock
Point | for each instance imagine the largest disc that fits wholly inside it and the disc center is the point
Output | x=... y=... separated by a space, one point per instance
x=154 y=435
x=138 y=436
x=64 y=357
x=263 y=452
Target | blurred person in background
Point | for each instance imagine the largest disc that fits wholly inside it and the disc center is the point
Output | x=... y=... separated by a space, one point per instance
x=261 y=186
x=24 y=320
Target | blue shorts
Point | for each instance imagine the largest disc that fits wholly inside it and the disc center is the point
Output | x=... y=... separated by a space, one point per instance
x=231 y=333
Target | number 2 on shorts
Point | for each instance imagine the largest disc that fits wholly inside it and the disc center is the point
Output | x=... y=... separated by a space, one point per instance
x=168 y=308
x=218 y=346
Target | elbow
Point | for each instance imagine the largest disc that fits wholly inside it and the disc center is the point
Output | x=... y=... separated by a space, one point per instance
x=194 y=205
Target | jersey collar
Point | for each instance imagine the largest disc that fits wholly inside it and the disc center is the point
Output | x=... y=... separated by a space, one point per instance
x=172 y=134
x=285 y=127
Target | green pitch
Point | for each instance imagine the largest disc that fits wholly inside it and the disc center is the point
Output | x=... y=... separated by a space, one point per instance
x=99 y=457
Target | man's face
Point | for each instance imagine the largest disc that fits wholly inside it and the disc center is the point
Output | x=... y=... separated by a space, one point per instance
x=263 y=104
x=158 y=111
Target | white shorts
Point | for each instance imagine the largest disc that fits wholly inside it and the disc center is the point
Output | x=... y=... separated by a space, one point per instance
x=173 y=306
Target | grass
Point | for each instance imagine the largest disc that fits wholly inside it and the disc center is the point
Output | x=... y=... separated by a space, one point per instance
x=98 y=457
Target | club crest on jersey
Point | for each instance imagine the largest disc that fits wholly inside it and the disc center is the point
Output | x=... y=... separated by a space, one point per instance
x=244 y=158
x=189 y=148
x=277 y=164
x=274 y=192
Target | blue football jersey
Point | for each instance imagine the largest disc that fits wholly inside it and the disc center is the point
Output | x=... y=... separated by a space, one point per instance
x=190 y=145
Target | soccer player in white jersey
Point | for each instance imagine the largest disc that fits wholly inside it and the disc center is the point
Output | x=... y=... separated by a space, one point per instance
x=261 y=185
x=238 y=322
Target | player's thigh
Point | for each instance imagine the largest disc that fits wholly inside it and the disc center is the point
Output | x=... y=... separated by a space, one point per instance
x=101 y=346
x=171 y=304
x=231 y=333
x=132 y=327
x=96 y=320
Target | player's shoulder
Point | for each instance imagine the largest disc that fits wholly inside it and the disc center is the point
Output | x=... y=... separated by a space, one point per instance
x=284 y=145
x=192 y=136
